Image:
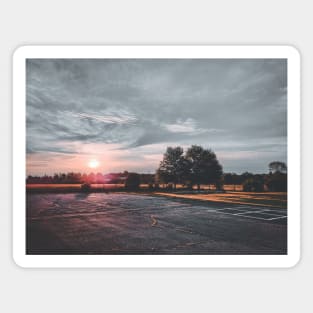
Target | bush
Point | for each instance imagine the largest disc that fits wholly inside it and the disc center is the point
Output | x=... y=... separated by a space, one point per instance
x=132 y=181
x=277 y=182
x=253 y=184
x=85 y=187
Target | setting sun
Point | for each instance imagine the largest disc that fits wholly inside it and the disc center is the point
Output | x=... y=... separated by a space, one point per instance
x=93 y=163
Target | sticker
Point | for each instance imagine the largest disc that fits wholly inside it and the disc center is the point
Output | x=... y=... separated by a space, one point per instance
x=156 y=156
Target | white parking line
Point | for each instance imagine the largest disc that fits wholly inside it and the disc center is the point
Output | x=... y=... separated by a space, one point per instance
x=279 y=217
x=245 y=213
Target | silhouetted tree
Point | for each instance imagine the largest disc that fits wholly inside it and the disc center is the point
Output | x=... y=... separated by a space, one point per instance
x=204 y=166
x=253 y=184
x=147 y=178
x=244 y=176
x=132 y=181
x=277 y=167
x=86 y=187
x=231 y=179
x=174 y=168
x=276 y=182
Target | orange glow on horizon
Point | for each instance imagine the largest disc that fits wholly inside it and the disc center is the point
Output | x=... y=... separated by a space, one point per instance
x=109 y=159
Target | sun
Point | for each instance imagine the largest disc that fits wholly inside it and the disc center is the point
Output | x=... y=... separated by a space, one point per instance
x=93 y=163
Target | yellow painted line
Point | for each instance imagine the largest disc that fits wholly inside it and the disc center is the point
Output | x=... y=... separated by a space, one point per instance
x=232 y=201
x=154 y=221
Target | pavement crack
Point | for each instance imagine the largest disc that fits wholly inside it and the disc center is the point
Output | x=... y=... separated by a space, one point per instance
x=185 y=230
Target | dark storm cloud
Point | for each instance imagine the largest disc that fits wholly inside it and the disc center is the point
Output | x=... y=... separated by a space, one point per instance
x=224 y=104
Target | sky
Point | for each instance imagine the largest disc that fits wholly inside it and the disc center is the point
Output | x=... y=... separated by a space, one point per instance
x=123 y=113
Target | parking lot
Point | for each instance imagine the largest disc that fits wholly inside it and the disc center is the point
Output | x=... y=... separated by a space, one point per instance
x=124 y=223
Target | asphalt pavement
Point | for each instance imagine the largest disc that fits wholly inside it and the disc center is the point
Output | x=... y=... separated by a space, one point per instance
x=124 y=223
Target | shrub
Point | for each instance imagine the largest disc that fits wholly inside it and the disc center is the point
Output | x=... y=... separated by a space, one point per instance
x=132 y=181
x=253 y=184
x=85 y=187
x=277 y=182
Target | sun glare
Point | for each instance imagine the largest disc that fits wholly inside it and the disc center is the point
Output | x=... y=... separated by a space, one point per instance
x=93 y=163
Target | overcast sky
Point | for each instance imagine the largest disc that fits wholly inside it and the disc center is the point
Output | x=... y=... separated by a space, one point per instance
x=124 y=113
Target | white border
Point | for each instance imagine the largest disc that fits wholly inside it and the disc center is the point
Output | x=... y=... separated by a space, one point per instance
x=156 y=261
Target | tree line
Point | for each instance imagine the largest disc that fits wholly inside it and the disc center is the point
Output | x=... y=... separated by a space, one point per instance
x=199 y=166
x=194 y=167
x=91 y=178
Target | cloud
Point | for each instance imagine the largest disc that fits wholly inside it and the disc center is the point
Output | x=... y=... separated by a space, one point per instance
x=225 y=104
x=108 y=119
x=187 y=126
